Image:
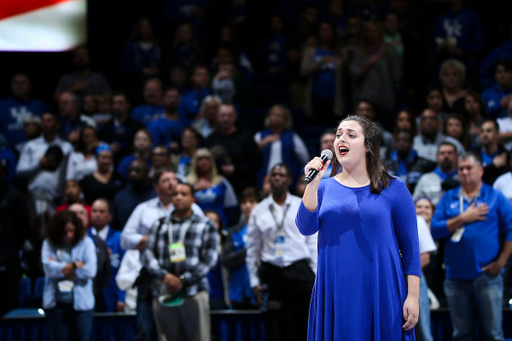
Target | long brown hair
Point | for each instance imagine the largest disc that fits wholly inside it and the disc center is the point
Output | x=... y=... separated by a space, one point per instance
x=379 y=177
x=54 y=229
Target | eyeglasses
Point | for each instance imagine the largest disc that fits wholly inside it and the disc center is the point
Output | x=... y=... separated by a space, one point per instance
x=158 y=154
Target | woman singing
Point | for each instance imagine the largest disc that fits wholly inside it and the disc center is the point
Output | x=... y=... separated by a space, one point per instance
x=367 y=282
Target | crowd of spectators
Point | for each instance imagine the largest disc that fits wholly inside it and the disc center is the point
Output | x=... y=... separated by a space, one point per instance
x=219 y=113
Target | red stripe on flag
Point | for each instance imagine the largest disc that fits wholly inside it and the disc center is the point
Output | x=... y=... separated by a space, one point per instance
x=11 y=8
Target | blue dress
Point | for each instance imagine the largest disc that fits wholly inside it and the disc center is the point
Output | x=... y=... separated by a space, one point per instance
x=360 y=286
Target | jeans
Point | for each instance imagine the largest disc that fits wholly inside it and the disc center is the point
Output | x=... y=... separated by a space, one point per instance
x=64 y=323
x=423 y=328
x=476 y=300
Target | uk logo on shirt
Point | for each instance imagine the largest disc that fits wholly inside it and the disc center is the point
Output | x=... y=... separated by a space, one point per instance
x=453 y=28
x=18 y=114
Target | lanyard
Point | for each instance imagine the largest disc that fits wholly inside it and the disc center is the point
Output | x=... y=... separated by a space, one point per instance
x=183 y=230
x=461 y=201
x=281 y=225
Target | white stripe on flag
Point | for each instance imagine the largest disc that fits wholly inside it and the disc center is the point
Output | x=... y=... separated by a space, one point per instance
x=58 y=27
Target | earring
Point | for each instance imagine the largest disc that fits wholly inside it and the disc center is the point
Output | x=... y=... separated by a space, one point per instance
x=367 y=149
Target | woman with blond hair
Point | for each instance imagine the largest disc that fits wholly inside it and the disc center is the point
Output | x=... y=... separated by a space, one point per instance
x=212 y=191
x=279 y=143
x=452 y=74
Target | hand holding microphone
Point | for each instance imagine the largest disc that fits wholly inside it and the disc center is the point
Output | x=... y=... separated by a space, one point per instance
x=317 y=167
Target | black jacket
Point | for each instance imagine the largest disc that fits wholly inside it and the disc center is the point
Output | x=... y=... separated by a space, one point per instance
x=416 y=167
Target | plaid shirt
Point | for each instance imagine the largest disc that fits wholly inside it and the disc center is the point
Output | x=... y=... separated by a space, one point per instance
x=201 y=243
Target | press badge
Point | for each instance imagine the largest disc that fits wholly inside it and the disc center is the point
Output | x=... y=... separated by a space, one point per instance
x=177 y=252
x=66 y=286
x=457 y=235
x=279 y=247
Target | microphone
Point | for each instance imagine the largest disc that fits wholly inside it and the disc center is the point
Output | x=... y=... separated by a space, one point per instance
x=325 y=156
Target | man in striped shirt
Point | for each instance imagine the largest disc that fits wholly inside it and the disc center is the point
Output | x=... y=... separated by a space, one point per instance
x=180 y=250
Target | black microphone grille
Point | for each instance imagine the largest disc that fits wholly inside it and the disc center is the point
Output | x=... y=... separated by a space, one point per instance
x=327 y=153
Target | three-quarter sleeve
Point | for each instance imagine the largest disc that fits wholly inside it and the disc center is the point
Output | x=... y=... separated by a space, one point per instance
x=404 y=219
x=308 y=222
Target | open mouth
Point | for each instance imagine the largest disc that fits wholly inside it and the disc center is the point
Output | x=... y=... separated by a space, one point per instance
x=343 y=150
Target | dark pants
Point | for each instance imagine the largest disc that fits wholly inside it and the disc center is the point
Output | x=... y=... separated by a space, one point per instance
x=146 y=325
x=64 y=323
x=9 y=287
x=289 y=297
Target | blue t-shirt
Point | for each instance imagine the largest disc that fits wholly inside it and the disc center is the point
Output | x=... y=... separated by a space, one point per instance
x=217 y=198
x=182 y=165
x=12 y=114
x=239 y=283
x=146 y=113
x=492 y=97
x=164 y=131
x=190 y=105
x=324 y=79
x=481 y=241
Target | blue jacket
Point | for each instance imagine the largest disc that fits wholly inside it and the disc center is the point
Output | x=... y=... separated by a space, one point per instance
x=488 y=65
x=492 y=97
x=12 y=114
x=83 y=295
x=482 y=241
x=190 y=105
x=111 y=293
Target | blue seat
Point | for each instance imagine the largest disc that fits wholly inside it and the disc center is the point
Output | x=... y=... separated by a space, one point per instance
x=25 y=312
x=25 y=284
x=39 y=287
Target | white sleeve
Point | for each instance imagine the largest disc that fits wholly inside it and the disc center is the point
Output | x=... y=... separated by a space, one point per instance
x=130 y=237
x=425 y=237
x=253 y=257
x=230 y=199
x=257 y=137
x=129 y=270
x=300 y=150
x=27 y=164
x=70 y=170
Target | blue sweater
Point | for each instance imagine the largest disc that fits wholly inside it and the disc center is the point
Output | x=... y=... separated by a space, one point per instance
x=12 y=114
x=492 y=97
x=482 y=241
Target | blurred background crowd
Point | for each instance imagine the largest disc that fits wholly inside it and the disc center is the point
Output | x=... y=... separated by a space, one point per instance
x=221 y=91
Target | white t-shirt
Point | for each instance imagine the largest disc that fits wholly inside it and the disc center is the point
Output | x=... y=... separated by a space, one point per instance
x=505 y=124
x=504 y=185
x=426 y=242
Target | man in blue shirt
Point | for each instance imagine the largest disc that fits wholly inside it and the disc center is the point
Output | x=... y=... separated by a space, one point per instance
x=476 y=222
x=167 y=128
x=497 y=96
x=459 y=35
x=14 y=109
x=191 y=101
x=113 y=298
x=488 y=65
x=153 y=107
